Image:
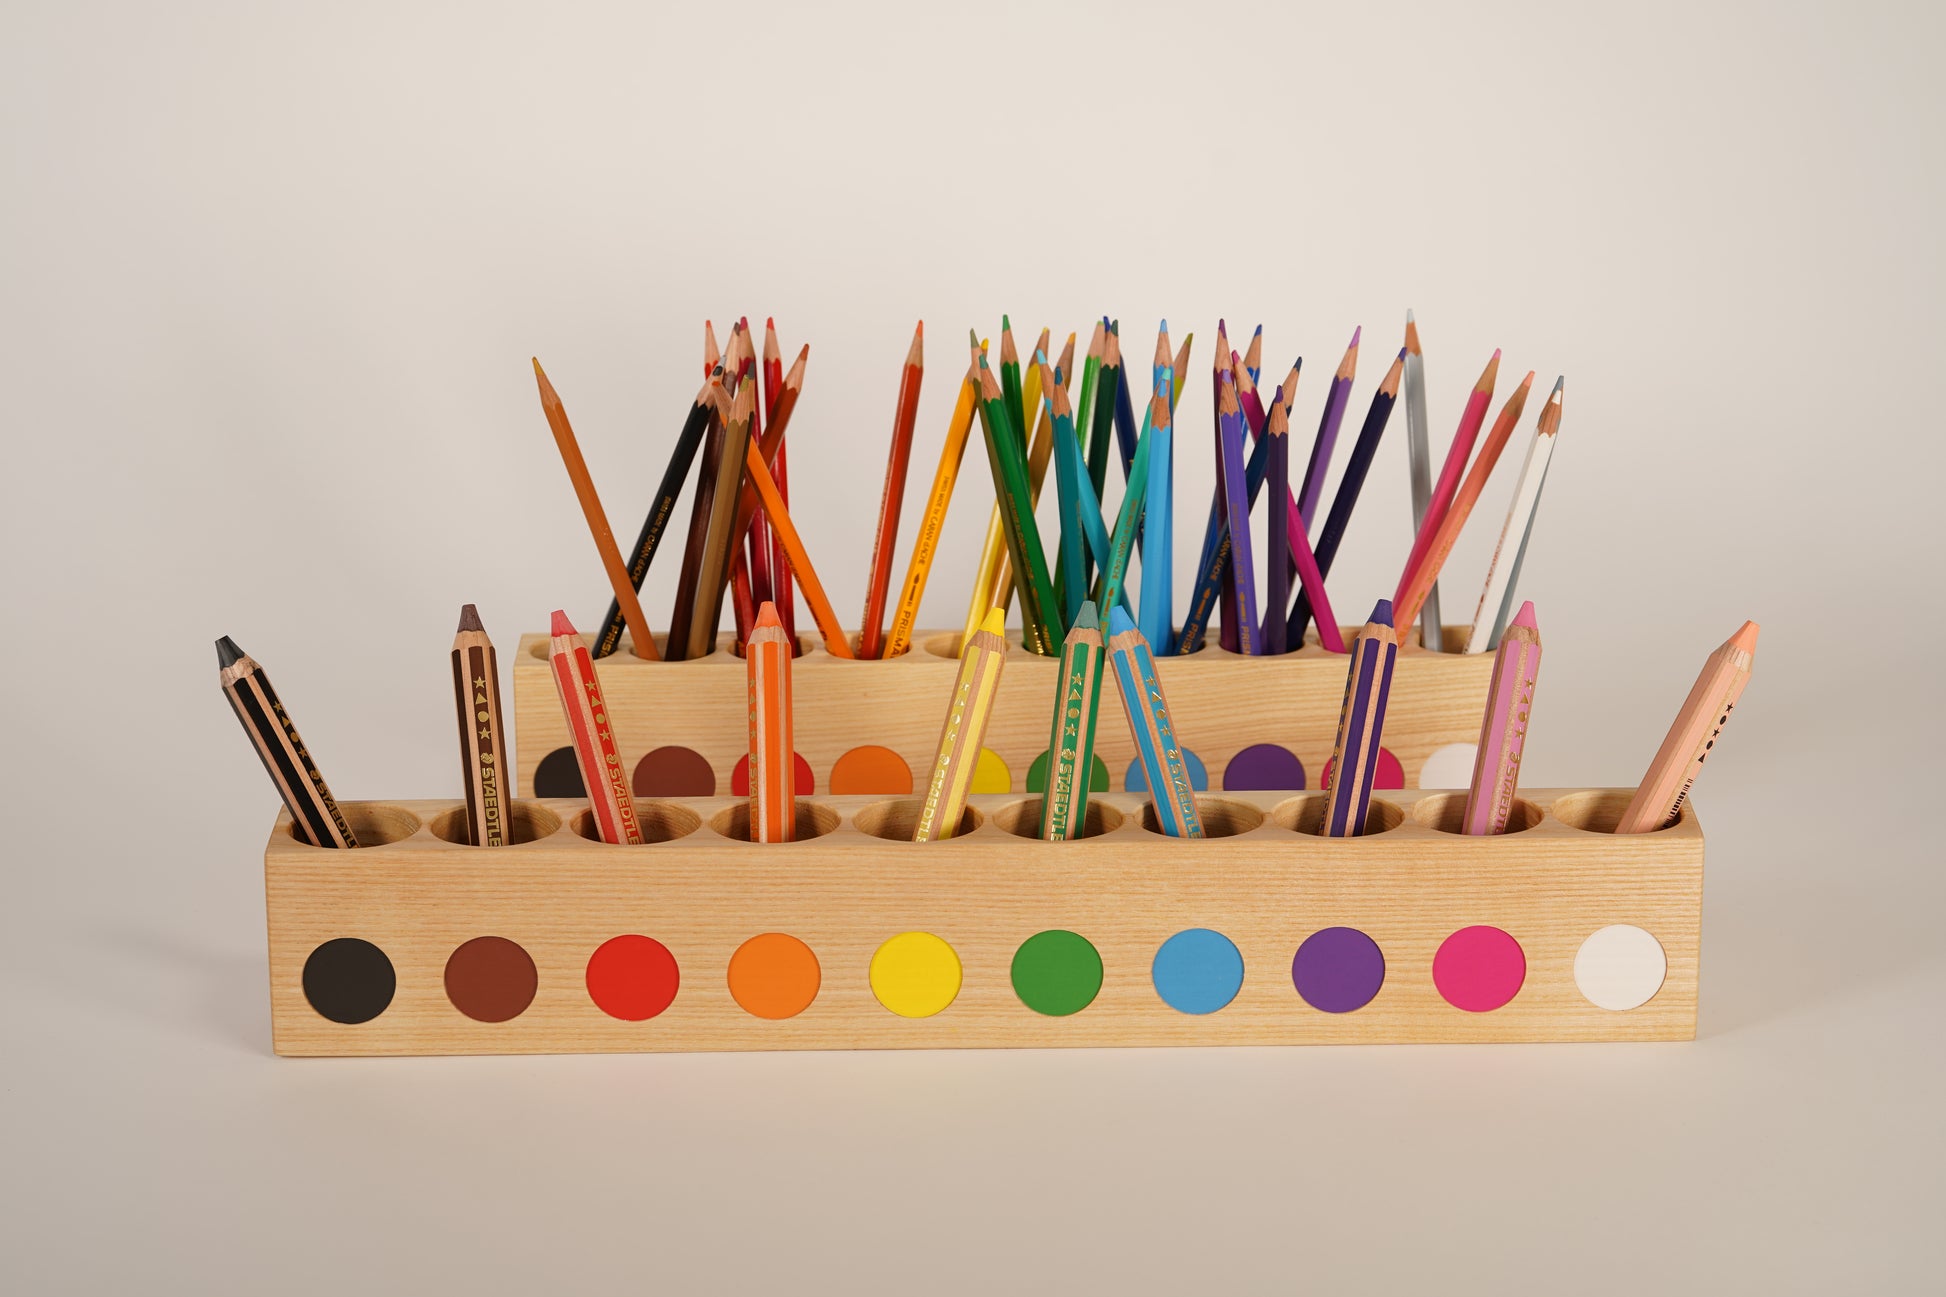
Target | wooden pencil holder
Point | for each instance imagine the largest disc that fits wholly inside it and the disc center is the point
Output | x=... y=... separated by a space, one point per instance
x=853 y=937
x=871 y=727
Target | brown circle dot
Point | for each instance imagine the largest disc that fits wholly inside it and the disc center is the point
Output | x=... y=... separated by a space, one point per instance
x=491 y=979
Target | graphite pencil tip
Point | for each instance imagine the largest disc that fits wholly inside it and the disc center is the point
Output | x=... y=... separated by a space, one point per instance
x=560 y=624
x=469 y=618
x=227 y=652
x=1382 y=613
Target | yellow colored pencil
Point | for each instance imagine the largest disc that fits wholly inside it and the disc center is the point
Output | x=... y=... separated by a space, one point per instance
x=925 y=543
x=965 y=730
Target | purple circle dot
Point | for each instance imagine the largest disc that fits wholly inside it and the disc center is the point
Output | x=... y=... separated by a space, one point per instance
x=1337 y=970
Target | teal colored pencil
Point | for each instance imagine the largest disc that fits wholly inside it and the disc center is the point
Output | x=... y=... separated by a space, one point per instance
x=1157 y=610
x=1155 y=733
x=1071 y=578
x=1092 y=530
x=1071 y=746
x=1108 y=590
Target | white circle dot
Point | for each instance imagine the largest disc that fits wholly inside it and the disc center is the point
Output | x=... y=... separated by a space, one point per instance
x=1620 y=967
x=1450 y=766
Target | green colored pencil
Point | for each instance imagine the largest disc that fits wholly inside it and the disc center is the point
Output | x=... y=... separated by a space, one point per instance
x=1071 y=747
x=1010 y=383
x=1101 y=427
x=1009 y=464
x=1084 y=416
x=1070 y=578
x=1108 y=590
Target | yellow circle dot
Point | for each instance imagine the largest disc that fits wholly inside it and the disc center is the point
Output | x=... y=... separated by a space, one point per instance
x=915 y=974
x=990 y=774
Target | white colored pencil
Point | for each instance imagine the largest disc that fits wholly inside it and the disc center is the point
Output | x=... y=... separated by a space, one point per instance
x=1419 y=462
x=1489 y=617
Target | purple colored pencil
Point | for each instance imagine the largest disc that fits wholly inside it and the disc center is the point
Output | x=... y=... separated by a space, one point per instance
x=1334 y=416
x=1229 y=416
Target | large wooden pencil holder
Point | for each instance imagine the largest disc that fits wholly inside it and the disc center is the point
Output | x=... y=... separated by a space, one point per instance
x=1262 y=934
x=873 y=726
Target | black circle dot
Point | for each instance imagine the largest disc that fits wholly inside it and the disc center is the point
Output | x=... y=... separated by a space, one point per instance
x=559 y=776
x=348 y=980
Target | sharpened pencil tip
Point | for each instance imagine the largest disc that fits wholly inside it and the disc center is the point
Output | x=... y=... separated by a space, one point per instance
x=995 y=622
x=1525 y=617
x=1382 y=613
x=1119 y=620
x=767 y=615
x=1356 y=333
x=1087 y=618
x=560 y=625
x=1259 y=333
x=227 y=652
x=1746 y=637
x=469 y=618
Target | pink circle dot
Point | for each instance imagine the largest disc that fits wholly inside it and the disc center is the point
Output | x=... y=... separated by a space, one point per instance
x=1479 y=968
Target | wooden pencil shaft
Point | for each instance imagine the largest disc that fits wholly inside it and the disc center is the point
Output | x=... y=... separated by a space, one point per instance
x=1518 y=525
x=1071 y=745
x=1419 y=466
x=1503 y=734
x=1361 y=727
x=314 y=813
x=1663 y=790
x=773 y=801
x=697 y=539
x=1153 y=726
x=962 y=736
x=596 y=751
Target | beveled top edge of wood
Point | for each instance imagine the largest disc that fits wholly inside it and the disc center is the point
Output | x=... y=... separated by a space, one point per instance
x=1685 y=836
x=932 y=648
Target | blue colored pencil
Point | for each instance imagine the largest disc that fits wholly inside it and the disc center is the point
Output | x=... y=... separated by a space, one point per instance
x=1349 y=486
x=1361 y=724
x=1334 y=415
x=1156 y=608
x=1229 y=418
x=1155 y=735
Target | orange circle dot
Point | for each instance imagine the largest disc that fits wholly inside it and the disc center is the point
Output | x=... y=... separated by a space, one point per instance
x=774 y=976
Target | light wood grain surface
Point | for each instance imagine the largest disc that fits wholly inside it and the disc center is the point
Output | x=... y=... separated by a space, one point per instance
x=1267 y=886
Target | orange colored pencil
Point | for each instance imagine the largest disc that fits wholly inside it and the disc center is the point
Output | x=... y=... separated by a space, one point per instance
x=584 y=491
x=799 y=560
x=1413 y=588
x=773 y=801
x=925 y=542
x=879 y=576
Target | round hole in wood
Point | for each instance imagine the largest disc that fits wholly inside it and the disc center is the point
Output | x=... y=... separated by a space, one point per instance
x=659 y=822
x=1222 y=818
x=1304 y=814
x=1446 y=813
x=1598 y=812
x=813 y=821
x=372 y=823
x=895 y=820
x=526 y=822
x=1023 y=818
x=942 y=646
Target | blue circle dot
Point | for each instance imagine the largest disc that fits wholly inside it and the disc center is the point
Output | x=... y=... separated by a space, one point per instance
x=1137 y=779
x=1197 y=971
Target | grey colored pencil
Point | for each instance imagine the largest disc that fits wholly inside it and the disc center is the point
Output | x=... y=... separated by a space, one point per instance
x=1419 y=457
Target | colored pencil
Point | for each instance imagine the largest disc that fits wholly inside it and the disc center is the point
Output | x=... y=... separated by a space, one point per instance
x=1153 y=728
x=1094 y=530
x=1513 y=580
x=1335 y=402
x=712 y=355
x=780 y=560
x=315 y=817
x=769 y=446
x=1471 y=420
x=1412 y=591
x=1253 y=357
x=1357 y=468
x=657 y=522
x=1156 y=606
x=879 y=576
x=1126 y=435
x=762 y=561
x=1040 y=453
x=796 y=560
x=1418 y=447
x=993 y=549
x=482 y=731
x=1071 y=746
x=1084 y=414
x=1010 y=385
x=1070 y=474
x=1277 y=579
x=1023 y=538
x=1214 y=563
x=1659 y=797
x=1489 y=615
x=755 y=567
x=1236 y=495
x=1108 y=586
x=596 y=750
x=1503 y=727
x=767 y=662
x=967 y=713
x=925 y=543
x=714 y=577
x=584 y=490
x=1101 y=426
x=695 y=540
x=1361 y=726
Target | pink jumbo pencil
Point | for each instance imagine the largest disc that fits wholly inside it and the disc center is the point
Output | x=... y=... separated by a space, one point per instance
x=1503 y=730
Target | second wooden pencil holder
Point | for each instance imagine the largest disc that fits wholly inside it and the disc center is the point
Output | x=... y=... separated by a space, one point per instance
x=855 y=937
x=871 y=727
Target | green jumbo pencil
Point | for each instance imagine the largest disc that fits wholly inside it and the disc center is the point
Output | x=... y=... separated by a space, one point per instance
x=1071 y=747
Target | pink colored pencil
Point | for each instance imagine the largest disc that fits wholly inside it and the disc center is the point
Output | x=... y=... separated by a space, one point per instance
x=1470 y=422
x=1503 y=729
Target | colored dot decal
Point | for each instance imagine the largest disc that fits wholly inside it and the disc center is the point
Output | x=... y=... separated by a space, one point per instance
x=1479 y=968
x=1449 y=767
x=800 y=769
x=871 y=771
x=632 y=977
x=991 y=774
x=491 y=979
x=348 y=980
x=1263 y=767
x=915 y=974
x=1197 y=971
x=1338 y=970
x=1387 y=774
x=1137 y=781
x=1620 y=967
x=774 y=976
x=673 y=772
x=1057 y=973
x=558 y=775
x=1037 y=775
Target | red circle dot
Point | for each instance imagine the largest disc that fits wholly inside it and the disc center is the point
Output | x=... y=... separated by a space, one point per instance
x=806 y=782
x=632 y=977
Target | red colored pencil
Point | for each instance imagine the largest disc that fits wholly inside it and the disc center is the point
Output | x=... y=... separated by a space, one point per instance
x=595 y=749
x=1470 y=422
x=780 y=560
x=871 y=632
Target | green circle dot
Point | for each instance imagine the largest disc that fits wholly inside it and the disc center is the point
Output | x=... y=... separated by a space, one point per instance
x=1057 y=973
x=1037 y=774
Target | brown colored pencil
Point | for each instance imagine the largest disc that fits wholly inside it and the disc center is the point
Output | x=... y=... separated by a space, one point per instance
x=879 y=576
x=482 y=734
x=681 y=613
x=715 y=574
x=584 y=490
